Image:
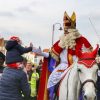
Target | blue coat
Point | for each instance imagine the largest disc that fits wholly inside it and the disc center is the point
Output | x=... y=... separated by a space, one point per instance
x=14 y=52
x=13 y=84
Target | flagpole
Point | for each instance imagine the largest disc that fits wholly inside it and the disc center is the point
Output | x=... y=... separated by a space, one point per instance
x=94 y=28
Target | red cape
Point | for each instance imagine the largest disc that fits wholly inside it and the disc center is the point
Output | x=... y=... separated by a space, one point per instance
x=43 y=92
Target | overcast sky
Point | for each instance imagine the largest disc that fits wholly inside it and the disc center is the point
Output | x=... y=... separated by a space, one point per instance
x=32 y=20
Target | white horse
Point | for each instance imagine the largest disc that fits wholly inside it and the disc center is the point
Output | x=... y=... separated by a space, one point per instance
x=82 y=75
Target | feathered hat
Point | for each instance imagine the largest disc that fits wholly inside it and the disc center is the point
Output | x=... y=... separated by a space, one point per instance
x=69 y=22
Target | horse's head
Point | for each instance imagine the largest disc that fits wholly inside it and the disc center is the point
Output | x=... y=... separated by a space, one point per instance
x=87 y=70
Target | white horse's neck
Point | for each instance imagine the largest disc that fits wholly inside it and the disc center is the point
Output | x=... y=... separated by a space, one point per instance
x=74 y=83
x=70 y=85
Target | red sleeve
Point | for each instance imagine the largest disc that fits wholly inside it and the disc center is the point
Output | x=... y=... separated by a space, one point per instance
x=79 y=42
x=86 y=42
x=72 y=52
x=56 y=49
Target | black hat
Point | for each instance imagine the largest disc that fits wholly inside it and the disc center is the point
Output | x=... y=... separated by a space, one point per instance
x=2 y=56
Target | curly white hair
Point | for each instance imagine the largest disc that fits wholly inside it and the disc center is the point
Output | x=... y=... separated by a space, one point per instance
x=68 y=40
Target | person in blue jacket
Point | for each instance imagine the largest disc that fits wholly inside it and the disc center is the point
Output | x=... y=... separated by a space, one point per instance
x=14 y=84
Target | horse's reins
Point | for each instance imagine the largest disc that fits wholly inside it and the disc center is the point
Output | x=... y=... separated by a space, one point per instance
x=88 y=80
x=86 y=59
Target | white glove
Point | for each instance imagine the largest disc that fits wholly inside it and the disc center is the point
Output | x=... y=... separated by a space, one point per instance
x=45 y=54
x=40 y=52
x=37 y=50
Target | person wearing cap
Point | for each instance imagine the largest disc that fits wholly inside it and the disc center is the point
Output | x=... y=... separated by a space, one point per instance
x=2 y=59
x=98 y=78
x=14 y=81
x=65 y=52
x=15 y=51
x=33 y=77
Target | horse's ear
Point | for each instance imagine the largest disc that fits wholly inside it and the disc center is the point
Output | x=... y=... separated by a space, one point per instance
x=95 y=51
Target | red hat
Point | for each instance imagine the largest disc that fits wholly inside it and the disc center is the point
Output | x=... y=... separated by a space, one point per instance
x=15 y=38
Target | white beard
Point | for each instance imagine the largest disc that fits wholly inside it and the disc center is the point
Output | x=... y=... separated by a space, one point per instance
x=68 y=40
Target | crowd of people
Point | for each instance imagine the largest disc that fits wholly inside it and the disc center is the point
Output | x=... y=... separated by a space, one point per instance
x=19 y=79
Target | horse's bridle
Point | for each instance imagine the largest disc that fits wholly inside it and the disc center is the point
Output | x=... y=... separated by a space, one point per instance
x=88 y=80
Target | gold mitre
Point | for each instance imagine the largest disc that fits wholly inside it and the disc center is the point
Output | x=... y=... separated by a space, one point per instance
x=69 y=22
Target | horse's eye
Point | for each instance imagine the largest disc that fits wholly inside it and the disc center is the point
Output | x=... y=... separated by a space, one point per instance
x=79 y=70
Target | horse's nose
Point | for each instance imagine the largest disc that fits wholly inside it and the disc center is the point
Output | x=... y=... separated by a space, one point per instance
x=85 y=97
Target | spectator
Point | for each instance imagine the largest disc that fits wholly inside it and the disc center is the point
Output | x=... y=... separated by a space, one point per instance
x=33 y=78
x=14 y=81
x=13 y=84
x=2 y=59
x=15 y=50
x=98 y=81
x=39 y=68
